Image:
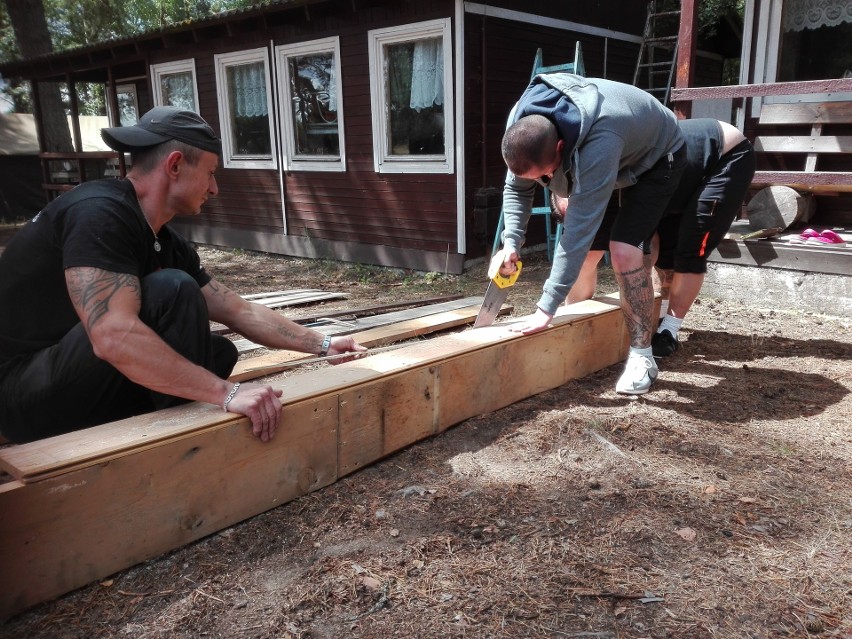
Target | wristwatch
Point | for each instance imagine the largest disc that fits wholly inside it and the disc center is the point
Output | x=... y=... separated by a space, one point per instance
x=326 y=344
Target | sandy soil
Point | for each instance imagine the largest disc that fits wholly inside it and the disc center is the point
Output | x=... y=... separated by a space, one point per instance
x=717 y=506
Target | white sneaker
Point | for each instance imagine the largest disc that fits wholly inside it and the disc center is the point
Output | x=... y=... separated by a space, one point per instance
x=638 y=375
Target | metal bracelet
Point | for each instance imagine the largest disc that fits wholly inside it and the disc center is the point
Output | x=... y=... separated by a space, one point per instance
x=230 y=396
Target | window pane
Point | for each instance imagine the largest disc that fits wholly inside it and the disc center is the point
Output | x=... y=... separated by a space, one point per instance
x=177 y=90
x=249 y=109
x=313 y=90
x=815 y=40
x=128 y=108
x=415 y=89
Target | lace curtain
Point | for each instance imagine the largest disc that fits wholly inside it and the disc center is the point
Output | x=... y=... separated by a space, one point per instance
x=332 y=84
x=427 y=74
x=177 y=90
x=813 y=14
x=247 y=85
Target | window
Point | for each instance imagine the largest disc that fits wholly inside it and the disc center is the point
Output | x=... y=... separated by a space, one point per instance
x=797 y=40
x=312 y=106
x=128 y=105
x=815 y=37
x=174 y=84
x=245 y=104
x=411 y=93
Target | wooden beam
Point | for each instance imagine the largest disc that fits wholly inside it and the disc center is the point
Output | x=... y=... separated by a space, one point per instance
x=63 y=532
x=813 y=143
x=817 y=181
x=806 y=113
x=841 y=85
x=686 y=46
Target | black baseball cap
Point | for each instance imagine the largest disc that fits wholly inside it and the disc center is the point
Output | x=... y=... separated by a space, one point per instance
x=161 y=124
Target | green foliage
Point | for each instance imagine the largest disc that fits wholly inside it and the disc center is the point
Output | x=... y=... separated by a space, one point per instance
x=77 y=23
x=710 y=12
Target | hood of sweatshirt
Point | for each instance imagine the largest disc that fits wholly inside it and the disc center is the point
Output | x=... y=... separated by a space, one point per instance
x=567 y=100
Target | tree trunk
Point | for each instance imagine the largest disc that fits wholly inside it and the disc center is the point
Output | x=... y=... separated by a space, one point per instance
x=33 y=39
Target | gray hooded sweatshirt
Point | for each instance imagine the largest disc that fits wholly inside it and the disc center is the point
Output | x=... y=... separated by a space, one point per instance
x=620 y=131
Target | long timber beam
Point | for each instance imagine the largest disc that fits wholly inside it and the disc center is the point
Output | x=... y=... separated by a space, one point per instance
x=94 y=519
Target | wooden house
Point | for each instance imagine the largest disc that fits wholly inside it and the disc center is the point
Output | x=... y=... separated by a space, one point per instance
x=361 y=130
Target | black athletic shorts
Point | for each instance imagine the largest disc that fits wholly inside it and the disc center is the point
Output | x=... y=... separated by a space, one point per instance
x=711 y=194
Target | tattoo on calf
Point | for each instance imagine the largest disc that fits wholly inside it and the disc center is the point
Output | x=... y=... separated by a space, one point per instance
x=637 y=294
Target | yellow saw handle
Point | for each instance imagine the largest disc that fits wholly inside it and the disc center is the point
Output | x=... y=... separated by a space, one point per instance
x=503 y=281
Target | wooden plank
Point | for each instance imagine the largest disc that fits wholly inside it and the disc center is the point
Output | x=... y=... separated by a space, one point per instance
x=782 y=255
x=379 y=418
x=841 y=85
x=66 y=531
x=297 y=299
x=327 y=317
x=62 y=533
x=374 y=310
x=364 y=323
x=803 y=144
x=807 y=113
x=818 y=181
x=255 y=297
x=78 y=155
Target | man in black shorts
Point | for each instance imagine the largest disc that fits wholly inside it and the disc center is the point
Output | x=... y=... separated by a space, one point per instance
x=586 y=137
x=720 y=167
x=105 y=310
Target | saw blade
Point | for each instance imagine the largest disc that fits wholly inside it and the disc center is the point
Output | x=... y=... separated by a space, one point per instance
x=491 y=304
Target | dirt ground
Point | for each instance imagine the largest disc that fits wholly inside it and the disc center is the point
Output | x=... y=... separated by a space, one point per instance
x=717 y=506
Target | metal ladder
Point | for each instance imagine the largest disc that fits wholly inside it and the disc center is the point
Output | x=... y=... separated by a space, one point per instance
x=658 y=52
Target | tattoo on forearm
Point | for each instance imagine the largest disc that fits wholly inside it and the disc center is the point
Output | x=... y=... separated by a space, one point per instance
x=637 y=302
x=217 y=288
x=92 y=289
x=287 y=333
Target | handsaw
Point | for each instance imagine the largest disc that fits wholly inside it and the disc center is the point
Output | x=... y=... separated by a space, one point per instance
x=497 y=291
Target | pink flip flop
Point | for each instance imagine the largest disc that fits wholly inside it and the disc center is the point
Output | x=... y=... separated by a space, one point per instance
x=804 y=236
x=827 y=238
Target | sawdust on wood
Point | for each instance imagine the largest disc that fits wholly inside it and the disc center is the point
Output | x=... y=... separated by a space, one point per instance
x=717 y=506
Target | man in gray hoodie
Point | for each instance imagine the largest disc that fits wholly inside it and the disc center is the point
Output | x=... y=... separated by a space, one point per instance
x=583 y=138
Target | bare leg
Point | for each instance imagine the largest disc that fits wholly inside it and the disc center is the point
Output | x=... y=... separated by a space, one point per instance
x=637 y=292
x=663 y=282
x=684 y=289
x=587 y=280
x=662 y=278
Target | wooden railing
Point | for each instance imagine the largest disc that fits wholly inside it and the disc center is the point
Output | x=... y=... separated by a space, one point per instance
x=74 y=170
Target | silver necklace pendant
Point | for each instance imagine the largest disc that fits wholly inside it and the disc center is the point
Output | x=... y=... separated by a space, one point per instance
x=157 y=246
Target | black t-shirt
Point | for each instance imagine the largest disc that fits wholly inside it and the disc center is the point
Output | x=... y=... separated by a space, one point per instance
x=98 y=224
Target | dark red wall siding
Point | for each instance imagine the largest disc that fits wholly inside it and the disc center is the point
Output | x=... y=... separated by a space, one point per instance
x=359 y=205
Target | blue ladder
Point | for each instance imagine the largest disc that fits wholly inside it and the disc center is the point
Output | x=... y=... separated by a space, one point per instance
x=552 y=234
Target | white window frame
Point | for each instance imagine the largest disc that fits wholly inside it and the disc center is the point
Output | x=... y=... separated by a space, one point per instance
x=221 y=61
x=289 y=159
x=169 y=68
x=384 y=162
x=125 y=87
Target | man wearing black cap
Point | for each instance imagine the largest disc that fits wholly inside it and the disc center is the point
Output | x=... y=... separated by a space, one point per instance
x=105 y=310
